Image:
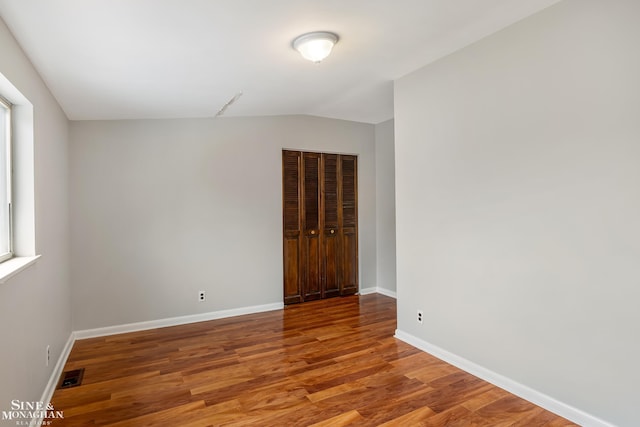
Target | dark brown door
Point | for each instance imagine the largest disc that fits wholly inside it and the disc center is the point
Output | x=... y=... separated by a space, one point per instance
x=311 y=248
x=291 y=193
x=349 y=222
x=330 y=227
x=320 y=225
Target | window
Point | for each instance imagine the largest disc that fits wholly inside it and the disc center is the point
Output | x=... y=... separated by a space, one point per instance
x=17 y=182
x=6 y=226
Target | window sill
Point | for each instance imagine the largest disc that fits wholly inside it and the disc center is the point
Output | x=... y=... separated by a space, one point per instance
x=15 y=265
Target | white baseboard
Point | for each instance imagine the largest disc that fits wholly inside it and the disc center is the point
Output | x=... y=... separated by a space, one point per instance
x=386 y=292
x=47 y=394
x=549 y=403
x=378 y=290
x=367 y=291
x=175 y=321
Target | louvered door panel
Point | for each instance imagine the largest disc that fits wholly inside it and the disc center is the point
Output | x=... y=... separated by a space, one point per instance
x=330 y=188
x=312 y=258
x=330 y=227
x=291 y=191
x=291 y=226
x=349 y=220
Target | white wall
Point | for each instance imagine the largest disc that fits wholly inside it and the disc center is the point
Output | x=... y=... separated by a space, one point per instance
x=35 y=304
x=164 y=208
x=385 y=207
x=518 y=204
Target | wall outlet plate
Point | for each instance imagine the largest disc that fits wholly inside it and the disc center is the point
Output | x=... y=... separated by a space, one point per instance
x=201 y=296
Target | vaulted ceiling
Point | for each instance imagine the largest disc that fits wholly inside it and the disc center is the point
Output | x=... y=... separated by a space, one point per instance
x=127 y=59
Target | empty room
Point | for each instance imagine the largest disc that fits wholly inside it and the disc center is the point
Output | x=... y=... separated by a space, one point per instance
x=319 y=213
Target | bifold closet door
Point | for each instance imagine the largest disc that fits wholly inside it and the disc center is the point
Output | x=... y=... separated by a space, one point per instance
x=311 y=246
x=349 y=222
x=330 y=226
x=291 y=219
x=320 y=225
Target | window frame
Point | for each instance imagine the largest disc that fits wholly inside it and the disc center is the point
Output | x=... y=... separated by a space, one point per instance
x=8 y=146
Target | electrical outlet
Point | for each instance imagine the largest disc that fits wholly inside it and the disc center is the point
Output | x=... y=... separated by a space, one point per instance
x=201 y=296
x=419 y=318
x=48 y=355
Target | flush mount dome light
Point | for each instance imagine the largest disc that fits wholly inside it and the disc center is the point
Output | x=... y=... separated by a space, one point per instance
x=315 y=46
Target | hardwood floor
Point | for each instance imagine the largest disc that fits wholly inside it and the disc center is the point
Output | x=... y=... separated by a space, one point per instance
x=325 y=363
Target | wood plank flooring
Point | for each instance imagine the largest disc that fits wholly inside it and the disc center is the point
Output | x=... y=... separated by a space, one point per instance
x=325 y=363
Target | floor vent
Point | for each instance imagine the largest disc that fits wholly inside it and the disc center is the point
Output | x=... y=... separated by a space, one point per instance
x=71 y=378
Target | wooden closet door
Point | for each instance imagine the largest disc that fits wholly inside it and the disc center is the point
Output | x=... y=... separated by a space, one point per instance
x=349 y=222
x=320 y=225
x=330 y=227
x=311 y=248
x=291 y=193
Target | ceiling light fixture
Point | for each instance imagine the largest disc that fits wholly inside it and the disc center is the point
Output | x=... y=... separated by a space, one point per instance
x=315 y=46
